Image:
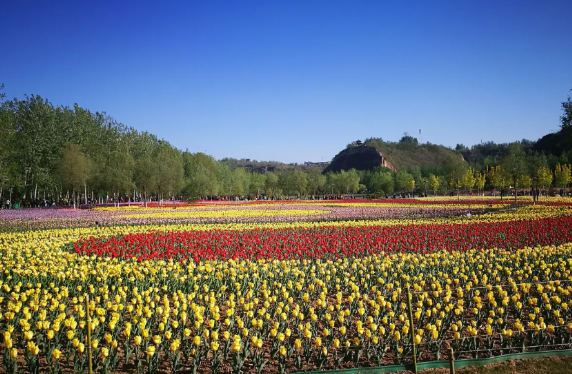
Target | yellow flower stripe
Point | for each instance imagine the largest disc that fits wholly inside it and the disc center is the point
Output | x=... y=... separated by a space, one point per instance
x=404 y=205
x=508 y=199
x=376 y=204
x=350 y=299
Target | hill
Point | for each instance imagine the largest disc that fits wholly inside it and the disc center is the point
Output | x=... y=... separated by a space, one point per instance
x=362 y=157
x=406 y=153
x=555 y=143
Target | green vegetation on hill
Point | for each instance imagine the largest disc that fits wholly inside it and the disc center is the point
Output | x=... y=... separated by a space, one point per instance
x=409 y=153
x=405 y=154
x=558 y=144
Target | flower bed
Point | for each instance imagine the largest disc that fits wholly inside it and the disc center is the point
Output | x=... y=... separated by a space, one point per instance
x=328 y=242
x=283 y=295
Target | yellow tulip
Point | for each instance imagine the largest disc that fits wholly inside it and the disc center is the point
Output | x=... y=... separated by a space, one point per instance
x=150 y=351
x=236 y=346
x=175 y=345
x=214 y=346
x=104 y=352
x=297 y=343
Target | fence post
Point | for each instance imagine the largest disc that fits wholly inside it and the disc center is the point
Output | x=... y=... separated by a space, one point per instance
x=412 y=331
x=88 y=343
x=451 y=361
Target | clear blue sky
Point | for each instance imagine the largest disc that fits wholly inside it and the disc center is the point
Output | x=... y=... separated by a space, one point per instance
x=297 y=80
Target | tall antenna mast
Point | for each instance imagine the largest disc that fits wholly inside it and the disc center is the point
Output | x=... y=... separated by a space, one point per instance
x=420 y=138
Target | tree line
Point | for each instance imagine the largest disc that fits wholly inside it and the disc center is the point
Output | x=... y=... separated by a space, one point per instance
x=556 y=146
x=60 y=153
x=527 y=171
x=71 y=153
x=526 y=165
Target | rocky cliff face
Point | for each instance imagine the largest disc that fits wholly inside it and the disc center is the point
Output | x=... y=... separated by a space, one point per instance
x=359 y=158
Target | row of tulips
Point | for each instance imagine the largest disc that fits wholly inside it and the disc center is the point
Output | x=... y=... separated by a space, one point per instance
x=259 y=213
x=53 y=218
x=327 y=242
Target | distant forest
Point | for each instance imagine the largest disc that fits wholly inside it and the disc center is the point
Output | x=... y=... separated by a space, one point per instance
x=59 y=152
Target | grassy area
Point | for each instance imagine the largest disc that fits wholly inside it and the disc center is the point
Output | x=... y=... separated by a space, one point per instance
x=556 y=365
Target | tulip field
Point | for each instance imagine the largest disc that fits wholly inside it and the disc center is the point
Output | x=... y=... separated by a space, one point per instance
x=289 y=286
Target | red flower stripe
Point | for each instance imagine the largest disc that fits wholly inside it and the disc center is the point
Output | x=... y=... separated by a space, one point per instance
x=328 y=242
